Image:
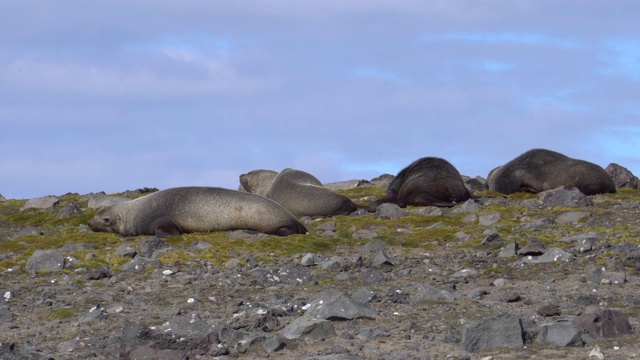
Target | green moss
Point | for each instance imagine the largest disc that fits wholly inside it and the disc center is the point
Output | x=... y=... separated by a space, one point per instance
x=61 y=314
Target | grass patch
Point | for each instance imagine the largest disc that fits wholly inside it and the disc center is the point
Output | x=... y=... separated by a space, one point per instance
x=61 y=314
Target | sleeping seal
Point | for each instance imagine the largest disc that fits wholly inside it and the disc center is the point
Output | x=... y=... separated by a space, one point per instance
x=172 y=212
x=538 y=170
x=297 y=191
x=428 y=181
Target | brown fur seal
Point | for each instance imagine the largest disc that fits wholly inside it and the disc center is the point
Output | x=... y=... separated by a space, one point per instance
x=180 y=210
x=297 y=191
x=257 y=181
x=428 y=181
x=538 y=170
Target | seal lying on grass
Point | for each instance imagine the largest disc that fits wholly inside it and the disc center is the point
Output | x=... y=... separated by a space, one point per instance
x=297 y=191
x=538 y=170
x=428 y=181
x=181 y=210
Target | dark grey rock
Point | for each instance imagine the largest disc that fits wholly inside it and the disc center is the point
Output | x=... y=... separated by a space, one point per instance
x=534 y=247
x=42 y=203
x=503 y=330
x=94 y=314
x=126 y=251
x=389 y=211
x=548 y=310
x=363 y=295
x=97 y=201
x=372 y=276
x=425 y=292
x=489 y=219
x=622 y=177
x=151 y=245
x=70 y=209
x=493 y=241
x=510 y=250
x=273 y=344
x=510 y=296
x=335 y=305
x=552 y=255
x=560 y=333
x=468 y=206
x=31 y=230
x=470 y=218
x=583 y=242
x=327 y=229
x=346 y=185
x=564 y=197
x=309 y=260
x=605 y=324
x=304 y=326
x=373 y=334
x=373 y=246
x=45 y=260
x=382 y=258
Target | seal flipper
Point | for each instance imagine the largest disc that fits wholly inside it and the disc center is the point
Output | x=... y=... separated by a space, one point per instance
x=166 y=228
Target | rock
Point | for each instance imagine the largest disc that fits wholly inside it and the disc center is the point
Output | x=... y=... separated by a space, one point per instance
x=605 y=324
x=502 y=330
x=488 y=219
x=203 y=245
x=326 y=229
x=101 y=200
x=232 y=264
x=622 y=177
x=534 y=247
x=373 y=246
x=429 y=293
x=273 y=344
x=493 y=241
x=309 y=260
x=572 y=218
x=548 y=310
x=42 y=203
x=596 y=353
x=552 y=255
x=382 y=258
x=335 y=305
x=373 y=334
x=150 y=246
x=96 y=313
x=510 y=250
x=561 y=333
x=470 y=218
x=468 y=206
x=346 y=185
x=146 y=352
x=371 y=276
x=2 y=198
x=45 y=260
x=584 y=242
x=564 y=197
x=290 y=275
x=389 y=211
x=70 y=209
x=382 y=180
x=303 y=327
x=509 y=297
x=363 y=295
x=126 y=251
x=28 y=231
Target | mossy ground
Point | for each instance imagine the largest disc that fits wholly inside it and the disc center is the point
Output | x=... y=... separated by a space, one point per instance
x=415 y=231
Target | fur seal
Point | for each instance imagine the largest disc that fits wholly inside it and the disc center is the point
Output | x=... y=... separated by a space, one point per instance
x=257 y=181
x=174 y=211
x=297 y=191
x=538 y=170
x=428 y=181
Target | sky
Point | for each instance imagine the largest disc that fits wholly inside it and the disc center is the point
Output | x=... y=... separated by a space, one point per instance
x=120 y=95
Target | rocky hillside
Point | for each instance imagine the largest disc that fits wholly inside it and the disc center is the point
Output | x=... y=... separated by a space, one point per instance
x=554 y=275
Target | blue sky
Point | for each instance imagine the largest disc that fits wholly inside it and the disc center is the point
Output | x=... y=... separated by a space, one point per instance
x=116 y=95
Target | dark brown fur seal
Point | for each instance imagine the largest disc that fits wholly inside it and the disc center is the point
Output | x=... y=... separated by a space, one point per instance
x=180 y=210
x=428 y=181
x=297 y=191
x=538 y=170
